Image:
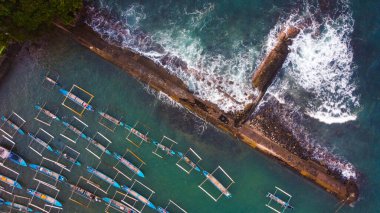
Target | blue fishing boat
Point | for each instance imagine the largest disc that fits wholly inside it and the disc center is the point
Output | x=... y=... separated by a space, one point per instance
x=162 y=210
x=128 y=164
x=75 y=130
x=99 y=145
x=138 y=196
x=43 y=143
x=18 y=207
x=164 y=148
x=103 y=177
x=67 y=157
x=12 y=125
x=10 y=181
x=112 y=119
x=118 y=205
x=188 y=161
x=47 y=113
x=45 y=197
x=47 y=172
x=13 y=157
x=76 y=99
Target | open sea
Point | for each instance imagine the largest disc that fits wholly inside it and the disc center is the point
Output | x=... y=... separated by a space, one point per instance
x=330 y=79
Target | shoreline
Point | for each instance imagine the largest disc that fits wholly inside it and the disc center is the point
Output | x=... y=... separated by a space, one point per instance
x=148 y=72
x=7 y=59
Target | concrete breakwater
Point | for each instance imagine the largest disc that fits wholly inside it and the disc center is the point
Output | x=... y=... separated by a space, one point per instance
x=146 y=71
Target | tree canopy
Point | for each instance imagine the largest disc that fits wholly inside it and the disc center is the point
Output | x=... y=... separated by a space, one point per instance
x=24 y=19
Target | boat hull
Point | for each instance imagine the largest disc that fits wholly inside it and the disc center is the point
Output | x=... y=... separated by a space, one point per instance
x=138 y=197
x=103 y=177
x=129 y=165
x=45 y=198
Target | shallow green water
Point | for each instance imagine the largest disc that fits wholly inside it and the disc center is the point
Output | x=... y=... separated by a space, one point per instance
x=253 y=173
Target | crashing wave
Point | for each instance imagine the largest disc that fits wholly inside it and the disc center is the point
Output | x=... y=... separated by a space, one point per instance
x=320 y=66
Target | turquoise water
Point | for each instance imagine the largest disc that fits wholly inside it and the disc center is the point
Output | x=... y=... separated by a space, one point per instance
x=255 y=175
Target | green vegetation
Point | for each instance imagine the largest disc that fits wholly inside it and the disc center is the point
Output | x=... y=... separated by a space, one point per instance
x=21 y=20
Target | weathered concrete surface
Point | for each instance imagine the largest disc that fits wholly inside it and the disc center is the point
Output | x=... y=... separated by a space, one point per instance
x=146 y=71
x=272 y=63
x=268 y=69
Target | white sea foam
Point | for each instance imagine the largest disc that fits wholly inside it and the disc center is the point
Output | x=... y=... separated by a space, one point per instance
x=321 y=66
x=219 y=79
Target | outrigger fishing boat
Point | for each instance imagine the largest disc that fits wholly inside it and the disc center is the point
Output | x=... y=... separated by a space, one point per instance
x=5 y=153
x=47 y=172
x=128 y=164
x=45 y=197
x=137 y=133
x=138 y=196
x=118 y=205
x=67 y=157
x=99 y=145
x=54 y=82
x=76 y=99
x=279 y=201
x=164 y=148
x=188 y=161
x=112 y=119
x=43 y=143
x=47 y=113
x=18 y=207
x=103 y=177
x=84 y=193
x=13 y=125
x=162 y=210
x=10 y=181
x=217 y=184
x=75 y=130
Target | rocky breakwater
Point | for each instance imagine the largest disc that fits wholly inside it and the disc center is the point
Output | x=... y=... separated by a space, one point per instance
x=268 y=69
x=158 y=78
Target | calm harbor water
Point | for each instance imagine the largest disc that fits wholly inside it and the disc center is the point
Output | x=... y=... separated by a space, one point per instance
x=254 y=174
